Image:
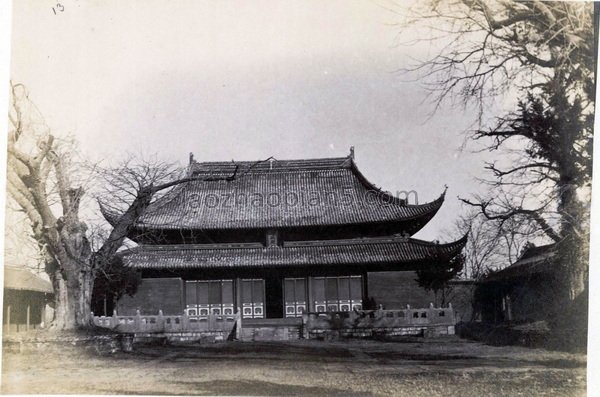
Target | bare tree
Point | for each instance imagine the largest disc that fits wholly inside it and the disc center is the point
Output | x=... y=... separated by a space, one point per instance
x=538 y=56
x=487 y=245
x=492 y=245
x=489 y=48
x=20 y=249
x=42 y=181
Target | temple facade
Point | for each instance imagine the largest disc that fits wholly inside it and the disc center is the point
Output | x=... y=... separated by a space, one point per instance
x=274 y=239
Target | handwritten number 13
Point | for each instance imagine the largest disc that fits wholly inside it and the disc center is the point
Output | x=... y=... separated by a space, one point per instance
x=59 y=7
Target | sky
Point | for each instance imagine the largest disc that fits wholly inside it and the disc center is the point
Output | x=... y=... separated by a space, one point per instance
x=244 y=81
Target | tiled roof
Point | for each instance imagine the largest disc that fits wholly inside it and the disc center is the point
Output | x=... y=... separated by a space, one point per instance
x=24 y=280
x=363 y=252
x=533 y=260
x=289 y=193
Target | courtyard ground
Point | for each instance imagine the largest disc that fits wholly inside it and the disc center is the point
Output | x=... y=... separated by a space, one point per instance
x=427 y=367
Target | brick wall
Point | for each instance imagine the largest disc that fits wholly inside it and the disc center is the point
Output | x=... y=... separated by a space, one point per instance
x=530 y=300
x=154 y=294
x=394 y=290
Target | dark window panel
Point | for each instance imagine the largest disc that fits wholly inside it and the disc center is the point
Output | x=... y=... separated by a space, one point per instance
x=356 y=288
x=290 y=296
x=246 y=291
x=344 y=288
x=258 y=291
x=331 y=288
x=214 y=292
x=319 y=287
x=202 y=292
x=227 y=291
x=300 y=290
x=190 y=293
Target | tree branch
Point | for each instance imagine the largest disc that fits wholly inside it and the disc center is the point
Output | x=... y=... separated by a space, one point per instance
x=533 y=214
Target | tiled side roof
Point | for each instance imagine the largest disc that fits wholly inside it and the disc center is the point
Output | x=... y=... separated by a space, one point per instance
x=536 y=253
x=290 y=193
x=24 y=280
x=364 y=252
x=534 y=260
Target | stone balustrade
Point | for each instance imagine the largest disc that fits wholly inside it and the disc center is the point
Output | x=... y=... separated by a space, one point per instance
x=357 y=323
x=365 y=323
x=154 y=324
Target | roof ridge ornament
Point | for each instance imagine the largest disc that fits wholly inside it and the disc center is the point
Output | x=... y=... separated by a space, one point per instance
x=405 y=237
x=352 y=152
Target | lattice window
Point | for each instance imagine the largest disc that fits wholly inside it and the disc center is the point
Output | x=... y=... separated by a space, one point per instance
x=332 y=294
x=295 y=291
x=253 y=298
x=204 y=297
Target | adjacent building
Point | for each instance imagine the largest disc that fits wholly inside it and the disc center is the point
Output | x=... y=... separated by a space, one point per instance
x=522 y=291
x=26 y=296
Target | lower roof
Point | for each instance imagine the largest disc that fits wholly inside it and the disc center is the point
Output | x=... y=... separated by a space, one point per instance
x=365 y=252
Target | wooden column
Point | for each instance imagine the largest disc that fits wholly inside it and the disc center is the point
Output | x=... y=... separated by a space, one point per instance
x=237 y=290
x=182 y=294
x=365 y=281
x=28 y=317
x=237 y=287
x=309 y=295
x=7 y=319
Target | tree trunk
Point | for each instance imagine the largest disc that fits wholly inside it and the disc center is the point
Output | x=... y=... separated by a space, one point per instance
x=72 y=299
x=435 y=297
x=573 y=249
x=442 y=301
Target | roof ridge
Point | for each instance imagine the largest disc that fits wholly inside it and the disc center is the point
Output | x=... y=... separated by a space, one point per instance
x=269 y=164
x=299 y=160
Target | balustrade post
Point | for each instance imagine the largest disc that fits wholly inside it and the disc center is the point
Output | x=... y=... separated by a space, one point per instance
x=138 y=321
x=113 y=320
x=185 y=322
x=238 y=325
x=212 y=322
x=431 y=315
x=305 y=325
x=161 y=321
